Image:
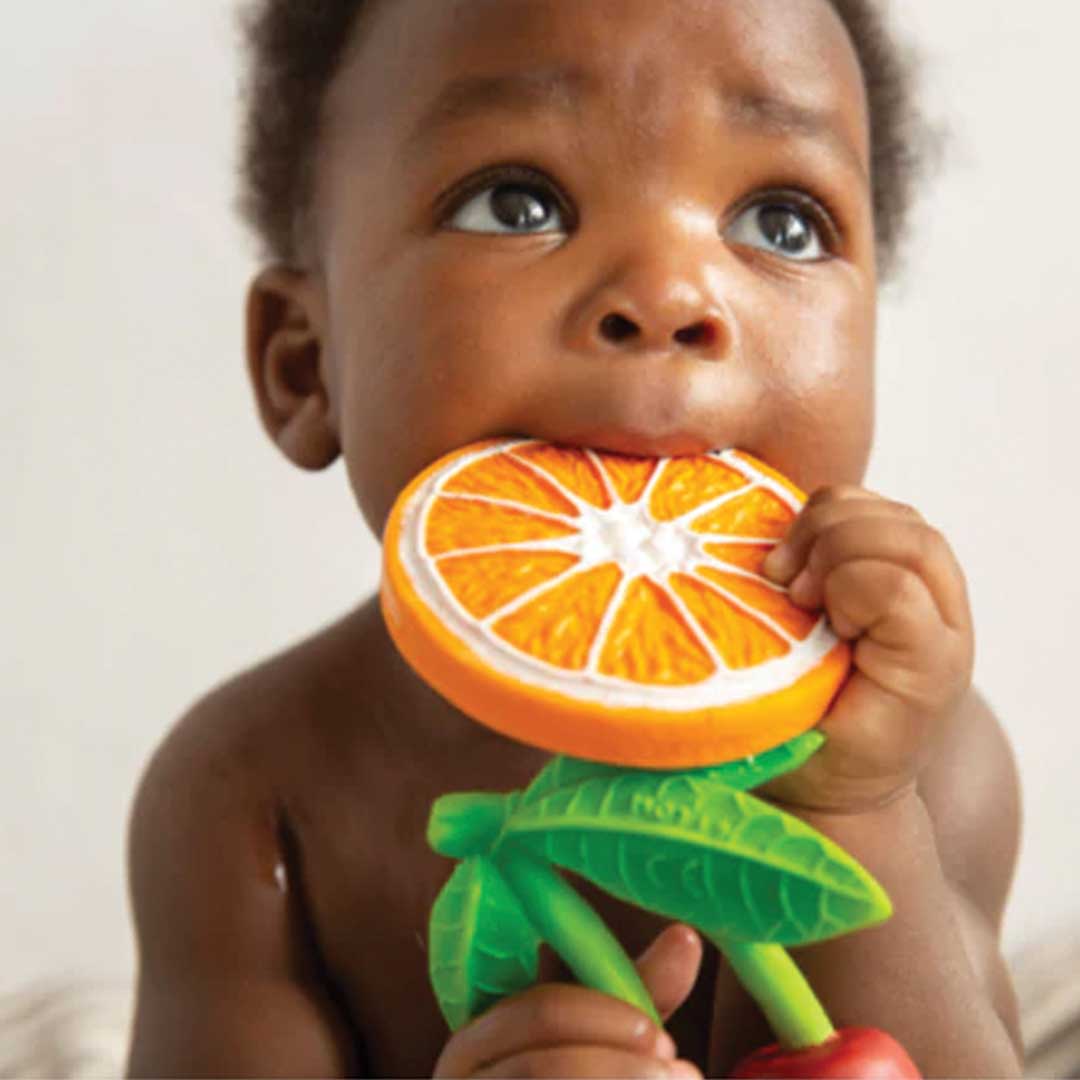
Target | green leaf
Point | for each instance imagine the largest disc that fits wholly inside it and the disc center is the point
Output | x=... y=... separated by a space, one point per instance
x=468 y=822
x=751 y=772
x=563 y=771
x=481 y=944
x=743 y=775
x=689 y=848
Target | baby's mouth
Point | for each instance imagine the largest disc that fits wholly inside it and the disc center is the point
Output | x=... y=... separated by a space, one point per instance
x=620 y=440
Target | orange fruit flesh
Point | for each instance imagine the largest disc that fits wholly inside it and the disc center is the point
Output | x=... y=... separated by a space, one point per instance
x=606 y=606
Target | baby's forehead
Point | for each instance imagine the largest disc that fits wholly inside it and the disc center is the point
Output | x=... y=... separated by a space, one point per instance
x=609 y=27
x=414 y=51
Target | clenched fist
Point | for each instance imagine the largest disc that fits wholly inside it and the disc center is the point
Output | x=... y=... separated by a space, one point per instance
x=891 y=585
x=569 y=1031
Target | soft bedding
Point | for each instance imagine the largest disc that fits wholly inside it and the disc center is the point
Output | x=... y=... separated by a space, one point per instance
x=79 y=1029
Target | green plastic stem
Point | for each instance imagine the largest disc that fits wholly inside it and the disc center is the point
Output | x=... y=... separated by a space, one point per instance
x=571 y=927
x=774 y=981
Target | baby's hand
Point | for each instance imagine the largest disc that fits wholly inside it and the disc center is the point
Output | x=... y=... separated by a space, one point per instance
x=890 y=584
x=565 y=1030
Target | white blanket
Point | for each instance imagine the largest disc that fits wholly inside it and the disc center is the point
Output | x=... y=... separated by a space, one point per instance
x=65 y=1028
x=79 y=1029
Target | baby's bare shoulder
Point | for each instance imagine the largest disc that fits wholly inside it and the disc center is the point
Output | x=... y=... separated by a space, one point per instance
x=225 y=959
x=250 y=719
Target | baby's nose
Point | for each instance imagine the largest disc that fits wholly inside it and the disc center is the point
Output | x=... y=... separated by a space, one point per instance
x=617 y=328
x=650 y=313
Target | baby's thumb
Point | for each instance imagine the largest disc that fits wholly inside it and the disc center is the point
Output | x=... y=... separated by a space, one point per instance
x=669 y=967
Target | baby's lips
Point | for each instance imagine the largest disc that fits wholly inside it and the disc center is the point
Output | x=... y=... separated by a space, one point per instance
x=624 y=440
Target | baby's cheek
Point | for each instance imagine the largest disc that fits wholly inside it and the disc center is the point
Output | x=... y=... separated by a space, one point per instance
x=838 y=358
x=820 y=416
x=407 y=406
x=431 y=350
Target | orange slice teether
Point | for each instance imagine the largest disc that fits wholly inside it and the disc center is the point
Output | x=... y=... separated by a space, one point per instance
x=605 y=606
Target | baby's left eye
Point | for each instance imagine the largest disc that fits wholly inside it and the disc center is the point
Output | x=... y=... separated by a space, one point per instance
x=779 y=227
x=514 y=206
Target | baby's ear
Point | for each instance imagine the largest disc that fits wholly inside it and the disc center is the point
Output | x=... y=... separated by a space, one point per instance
x=288 y=366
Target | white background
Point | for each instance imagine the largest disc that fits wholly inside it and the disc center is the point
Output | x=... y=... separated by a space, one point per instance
x=154 y=542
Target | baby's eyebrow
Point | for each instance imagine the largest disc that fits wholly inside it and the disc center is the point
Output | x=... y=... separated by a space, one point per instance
x=562 y=88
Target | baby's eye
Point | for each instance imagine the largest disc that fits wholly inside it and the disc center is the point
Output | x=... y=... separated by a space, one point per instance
x=508 y=205
x=785 y=229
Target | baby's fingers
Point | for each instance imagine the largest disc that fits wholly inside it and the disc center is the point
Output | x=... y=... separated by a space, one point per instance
x=906 y=649
x=550 y=1017
x=587 y=1061
x=909 y=545
x=825 y=508
x=669 y=967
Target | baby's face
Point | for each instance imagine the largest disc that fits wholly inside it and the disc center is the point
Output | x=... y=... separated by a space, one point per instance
x=638 y=225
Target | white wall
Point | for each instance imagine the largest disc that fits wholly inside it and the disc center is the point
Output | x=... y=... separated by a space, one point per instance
x=154 y=542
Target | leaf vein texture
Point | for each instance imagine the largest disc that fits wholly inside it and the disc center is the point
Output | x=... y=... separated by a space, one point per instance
x=756 y=842
x=704 y=854
x=749 y=901
x=625 y=872
x=693 y=878
x=450 y=926
x=789 y=908
x=652 y=865
x=490 y=952
x=498 y=954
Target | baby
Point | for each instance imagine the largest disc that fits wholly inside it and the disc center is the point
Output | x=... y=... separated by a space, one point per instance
x=647 y=226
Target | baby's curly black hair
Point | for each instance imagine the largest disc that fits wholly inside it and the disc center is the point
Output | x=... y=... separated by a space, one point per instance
x=295 y=48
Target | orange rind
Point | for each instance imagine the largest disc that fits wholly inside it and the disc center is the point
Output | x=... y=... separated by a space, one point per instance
x=607 y=606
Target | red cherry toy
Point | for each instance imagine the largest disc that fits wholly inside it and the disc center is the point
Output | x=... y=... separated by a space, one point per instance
x=854 y=1053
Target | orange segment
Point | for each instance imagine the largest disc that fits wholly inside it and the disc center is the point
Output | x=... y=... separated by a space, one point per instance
x=687 y=483
x=504 y=477
x=455 y=524
x=742 y=641
x=769 y=602
x=571 y=467
x=628 y=475
x=559 y=625
x=747 y=556
x=649 y=641
x=484 y=583
x=756 y=513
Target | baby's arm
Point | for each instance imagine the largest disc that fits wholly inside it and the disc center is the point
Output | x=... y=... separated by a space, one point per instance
x=915 y=781
x=933 y=975
x=971 y=790
x=227 y=985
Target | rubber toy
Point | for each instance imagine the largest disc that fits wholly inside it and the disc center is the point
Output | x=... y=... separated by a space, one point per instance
x=494 y=590
x=856 y=1052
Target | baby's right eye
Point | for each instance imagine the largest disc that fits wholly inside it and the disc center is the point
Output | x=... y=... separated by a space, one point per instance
x=507 y=201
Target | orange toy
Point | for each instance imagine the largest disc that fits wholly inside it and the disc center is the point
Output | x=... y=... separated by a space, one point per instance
x=608 y=607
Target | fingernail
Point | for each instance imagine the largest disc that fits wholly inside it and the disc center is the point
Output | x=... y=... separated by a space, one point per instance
x=664 y=1047
x=777 y=564
x=684 y=1069
x=688 y=934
